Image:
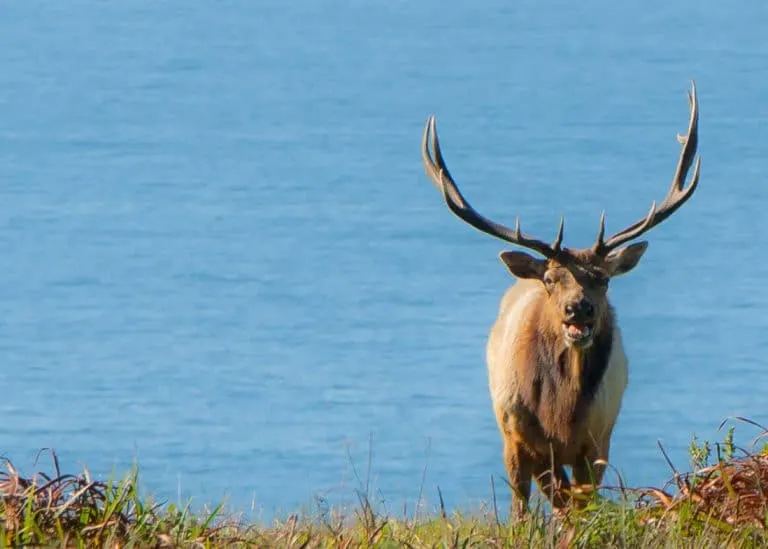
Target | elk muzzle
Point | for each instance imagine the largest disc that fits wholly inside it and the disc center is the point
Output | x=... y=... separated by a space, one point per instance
x=579 y=322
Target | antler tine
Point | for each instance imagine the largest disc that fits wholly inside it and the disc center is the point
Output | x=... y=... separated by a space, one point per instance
x=559 y=238
x=677 y=194
x=441 y=177
x=601 y=230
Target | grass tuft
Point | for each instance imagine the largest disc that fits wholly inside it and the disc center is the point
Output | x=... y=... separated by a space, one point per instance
x=722 y=502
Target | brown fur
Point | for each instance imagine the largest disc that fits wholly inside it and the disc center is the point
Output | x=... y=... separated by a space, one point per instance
x=550 y=386
x=559 y=393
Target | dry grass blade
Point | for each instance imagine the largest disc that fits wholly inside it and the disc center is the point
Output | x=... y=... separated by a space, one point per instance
x=731 y=492
x=74 y=498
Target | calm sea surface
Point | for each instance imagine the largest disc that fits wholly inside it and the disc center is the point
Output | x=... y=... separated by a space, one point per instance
x=221 y=256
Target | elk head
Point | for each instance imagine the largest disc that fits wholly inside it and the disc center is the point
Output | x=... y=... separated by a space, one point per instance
x=576 y=280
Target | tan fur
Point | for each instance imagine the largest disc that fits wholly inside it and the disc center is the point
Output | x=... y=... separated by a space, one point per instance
x=551 y=424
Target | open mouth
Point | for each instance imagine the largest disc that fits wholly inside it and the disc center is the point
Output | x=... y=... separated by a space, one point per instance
x=577 y=334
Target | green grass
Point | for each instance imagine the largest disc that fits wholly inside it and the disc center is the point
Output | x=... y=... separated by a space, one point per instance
x=721 y=503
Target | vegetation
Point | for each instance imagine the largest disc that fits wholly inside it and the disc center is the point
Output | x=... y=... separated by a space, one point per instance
x=722 y=502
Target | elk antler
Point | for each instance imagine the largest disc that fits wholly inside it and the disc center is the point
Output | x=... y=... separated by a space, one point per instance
x=439 y=174
x=677 y=195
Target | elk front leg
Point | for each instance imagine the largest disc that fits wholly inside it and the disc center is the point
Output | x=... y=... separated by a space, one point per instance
x=553 y=482
x=587 y=474
x=586 y=471
x=519 y=467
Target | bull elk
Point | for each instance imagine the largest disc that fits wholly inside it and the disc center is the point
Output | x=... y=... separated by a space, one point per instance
x=557 y=367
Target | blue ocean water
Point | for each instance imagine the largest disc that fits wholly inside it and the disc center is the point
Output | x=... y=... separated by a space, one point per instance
x=221 y=256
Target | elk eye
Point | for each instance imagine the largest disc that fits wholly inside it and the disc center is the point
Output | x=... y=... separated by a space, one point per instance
x=548 y=280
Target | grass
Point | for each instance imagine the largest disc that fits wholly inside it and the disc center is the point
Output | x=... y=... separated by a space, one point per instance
x=721 y=502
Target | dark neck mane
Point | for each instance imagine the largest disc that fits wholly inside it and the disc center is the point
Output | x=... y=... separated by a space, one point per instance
x=562 y=381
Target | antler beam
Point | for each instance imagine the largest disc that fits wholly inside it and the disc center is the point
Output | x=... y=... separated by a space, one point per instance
x=441 y=177
x=677 y=194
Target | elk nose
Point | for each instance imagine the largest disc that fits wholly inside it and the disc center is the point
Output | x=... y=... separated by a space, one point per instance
x=582 y=308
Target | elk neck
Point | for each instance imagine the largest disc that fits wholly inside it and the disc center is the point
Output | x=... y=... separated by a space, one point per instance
x=582 y=368
x=563 y=380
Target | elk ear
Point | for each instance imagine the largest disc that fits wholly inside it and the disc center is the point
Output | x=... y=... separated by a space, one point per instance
x=522 y=265
x=624 y=260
